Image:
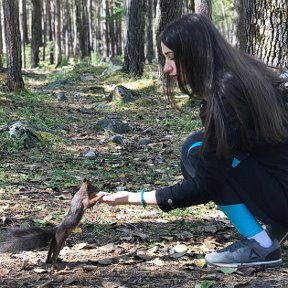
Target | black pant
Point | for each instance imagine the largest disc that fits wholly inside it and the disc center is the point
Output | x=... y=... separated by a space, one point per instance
x=248 y=183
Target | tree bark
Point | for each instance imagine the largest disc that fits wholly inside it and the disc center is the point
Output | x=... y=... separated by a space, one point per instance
x=149 y=32
x=1 y=40
x=13 y=45
x=204 y=7
x=134 y=49
x=168 y=11
x=58 y=48
x=36 y=31
x=263 y=30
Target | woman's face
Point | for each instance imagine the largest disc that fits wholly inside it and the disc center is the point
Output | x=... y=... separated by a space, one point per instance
x=169 y=66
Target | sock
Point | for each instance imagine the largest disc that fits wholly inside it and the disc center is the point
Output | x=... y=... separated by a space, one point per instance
x=246 y=224
x=263 y=239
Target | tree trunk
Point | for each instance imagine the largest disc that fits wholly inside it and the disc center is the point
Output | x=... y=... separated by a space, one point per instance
x=36 y=31
x=149 y=32
x=13 y=45
x=118 y=27
x=168 y=11
x=1 y=40
x=264 y=30
x=240 y=19
x=204 y=7
x=134 y=49
x=58 y=48
x=23 y=28
x=44 y=39
x=50 y=31
x=67 y=21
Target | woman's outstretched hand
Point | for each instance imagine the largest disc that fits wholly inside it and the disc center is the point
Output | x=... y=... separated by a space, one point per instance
x=117 y=198
x=127 y=198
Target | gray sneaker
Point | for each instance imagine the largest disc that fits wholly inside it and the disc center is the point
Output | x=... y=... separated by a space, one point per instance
x=246 y=253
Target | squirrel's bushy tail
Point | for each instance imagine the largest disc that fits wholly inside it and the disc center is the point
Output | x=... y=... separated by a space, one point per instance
x=21 y=239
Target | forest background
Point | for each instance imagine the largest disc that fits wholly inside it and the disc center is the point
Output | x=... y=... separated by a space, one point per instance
x=82 y=96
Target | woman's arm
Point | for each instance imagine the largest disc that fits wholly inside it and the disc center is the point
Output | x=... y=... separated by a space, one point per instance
x=128 y=198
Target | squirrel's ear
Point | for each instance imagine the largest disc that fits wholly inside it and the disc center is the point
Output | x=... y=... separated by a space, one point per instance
x=85 y=180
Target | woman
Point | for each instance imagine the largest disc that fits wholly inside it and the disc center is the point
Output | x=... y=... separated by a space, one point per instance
x=240 y=159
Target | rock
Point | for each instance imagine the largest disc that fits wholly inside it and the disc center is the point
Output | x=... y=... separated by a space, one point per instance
x=17 y=129
x=144 y=141
x=115 y=126
x=59 y=83
x=84 y=110
x=118 y=139
x=102 y=106
x=87 y=77
x=96 y=89
x=148 y=130
x=76 y=95
x=90 y=154
x=20 y=130
x=123 y=94
x=61 y=96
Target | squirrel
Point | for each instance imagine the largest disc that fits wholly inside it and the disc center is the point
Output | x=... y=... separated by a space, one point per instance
x=31 y=238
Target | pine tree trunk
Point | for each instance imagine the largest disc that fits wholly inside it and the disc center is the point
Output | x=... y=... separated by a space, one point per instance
x=13 y=45
x=263 y=30
x=168 y=11
x=58 y=48
x=149 y=32
x=36 y=31
x=134 y=49
x=1 y=40
x=23 y=28
x=204 y=7
x=50 y=31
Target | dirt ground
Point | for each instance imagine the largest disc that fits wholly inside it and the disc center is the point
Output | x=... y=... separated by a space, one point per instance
x=116 y=246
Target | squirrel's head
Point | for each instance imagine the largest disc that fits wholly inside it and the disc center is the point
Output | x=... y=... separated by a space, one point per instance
x=89 y=188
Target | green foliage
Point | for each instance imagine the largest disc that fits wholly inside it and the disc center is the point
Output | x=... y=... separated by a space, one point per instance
x=223 y=15
x=205 y=284
x=95 y=58
x=117 y=14
x=178 y=213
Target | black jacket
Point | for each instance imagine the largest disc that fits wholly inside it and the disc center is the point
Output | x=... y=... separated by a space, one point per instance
x=210 y=173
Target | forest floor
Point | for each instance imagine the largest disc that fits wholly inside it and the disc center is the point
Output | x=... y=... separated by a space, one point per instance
x=125 y=246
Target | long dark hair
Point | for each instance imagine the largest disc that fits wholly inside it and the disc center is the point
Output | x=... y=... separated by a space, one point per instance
x=209 y=68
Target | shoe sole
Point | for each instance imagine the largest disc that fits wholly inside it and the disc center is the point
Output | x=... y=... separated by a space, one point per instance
x=270 y=264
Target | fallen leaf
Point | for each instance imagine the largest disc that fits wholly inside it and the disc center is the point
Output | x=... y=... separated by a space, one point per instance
x=70 y=281
x=168 y=238
x=180 y=248
x=39 y=270
x=106 y=261
x=110 y=247
x=177 y=255
x=110 y=284
x=156 y=261
x=4 y=272
x=64 y=251
x=205 y=284
x=77 y=230
x=199 y=262
x=89 y=268
x=210 y=277
x=227 y=270
x=80 y=246
x=143 y=236
x=152 y=250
